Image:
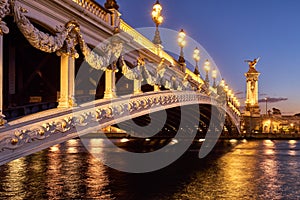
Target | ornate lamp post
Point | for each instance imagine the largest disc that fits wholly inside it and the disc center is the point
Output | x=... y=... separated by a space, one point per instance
x=222 y=83
x=226 y=88
x=220 y=88
x=157 y=19
x=214 y=76
x=207 y=68
x=196 y=56
x=229 y=93
x=181 y=43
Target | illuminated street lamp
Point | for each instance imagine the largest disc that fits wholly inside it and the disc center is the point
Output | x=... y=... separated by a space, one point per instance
x=157 y=19
x=207 y=68
x=181 y=42
x=226 y=88
x=214 y=76
x=222 y=83
x=229 y=92
x=238 y=104
x=196 y=56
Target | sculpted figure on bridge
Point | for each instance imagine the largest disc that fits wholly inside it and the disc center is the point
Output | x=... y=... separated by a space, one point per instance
x=141 y=72
x=160 y=70
x=112 y=52
x=134 y=73
x=252 y=63
x=38 y=39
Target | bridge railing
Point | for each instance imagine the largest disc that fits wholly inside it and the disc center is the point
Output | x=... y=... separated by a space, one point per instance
x=155 y=49
x=33 y=133
x=140 y=39
x=96 y=9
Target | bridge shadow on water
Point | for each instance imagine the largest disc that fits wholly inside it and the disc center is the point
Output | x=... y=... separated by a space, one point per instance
x=69 y=171
x=167 y=182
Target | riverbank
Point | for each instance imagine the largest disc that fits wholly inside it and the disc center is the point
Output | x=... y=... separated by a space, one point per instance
x=264 y=136
x=254 y=136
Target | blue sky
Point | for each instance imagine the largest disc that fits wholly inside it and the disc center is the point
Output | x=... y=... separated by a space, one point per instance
x=235 y=30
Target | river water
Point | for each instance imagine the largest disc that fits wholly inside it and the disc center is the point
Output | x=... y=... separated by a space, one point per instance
x=261 y=169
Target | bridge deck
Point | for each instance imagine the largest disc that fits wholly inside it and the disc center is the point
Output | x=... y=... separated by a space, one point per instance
x=41 y=130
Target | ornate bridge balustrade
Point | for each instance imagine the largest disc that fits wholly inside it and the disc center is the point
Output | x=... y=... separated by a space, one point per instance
x=33 y=133
x=90 y=6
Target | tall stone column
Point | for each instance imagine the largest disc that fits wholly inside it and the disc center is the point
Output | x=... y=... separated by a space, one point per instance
x=137 y=82
x=67 y=81
x=110 y=84
x=137 y=86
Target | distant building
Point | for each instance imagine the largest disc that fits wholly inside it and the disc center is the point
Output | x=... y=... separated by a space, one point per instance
x=274 y=122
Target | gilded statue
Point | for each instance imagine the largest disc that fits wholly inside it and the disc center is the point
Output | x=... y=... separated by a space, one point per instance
x=252 y=63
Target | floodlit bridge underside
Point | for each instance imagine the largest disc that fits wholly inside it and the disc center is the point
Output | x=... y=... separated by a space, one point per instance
x=33 y=133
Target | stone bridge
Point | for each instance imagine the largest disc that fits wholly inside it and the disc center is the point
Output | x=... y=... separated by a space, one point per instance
x=58 y=83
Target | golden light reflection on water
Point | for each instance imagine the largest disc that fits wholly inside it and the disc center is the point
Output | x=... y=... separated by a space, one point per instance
x=292 y=152
x=236 y=172
x=268 y=143
x=72 y=146
x=247 y=171
x=292 y=143
x=269 y=168
x=72 y=165
x=54 y=148
x=230 y=178
x=269 y=147
x=54 y=172
x=98 y=181
x=95 y=146
x=15 y=178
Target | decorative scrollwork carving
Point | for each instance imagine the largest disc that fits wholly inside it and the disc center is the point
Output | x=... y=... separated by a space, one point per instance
x=71 y=40
x=38 y=39
x=64 y=41
x=93 y=59
x=134 y=73
x=2 y=120
x=4 y=11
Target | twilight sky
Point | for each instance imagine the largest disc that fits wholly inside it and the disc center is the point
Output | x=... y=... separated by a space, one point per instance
x=232 y=31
